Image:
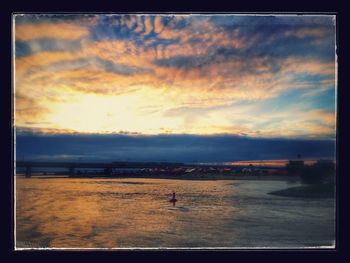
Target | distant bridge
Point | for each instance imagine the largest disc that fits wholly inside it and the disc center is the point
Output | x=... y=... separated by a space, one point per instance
x=71 y=166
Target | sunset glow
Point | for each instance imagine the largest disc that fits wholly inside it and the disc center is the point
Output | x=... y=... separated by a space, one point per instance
x=258 y=76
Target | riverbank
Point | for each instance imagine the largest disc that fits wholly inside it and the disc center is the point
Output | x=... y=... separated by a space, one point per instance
x=308 y=191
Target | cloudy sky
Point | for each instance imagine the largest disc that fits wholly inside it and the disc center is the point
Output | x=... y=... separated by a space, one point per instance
x=255 y=77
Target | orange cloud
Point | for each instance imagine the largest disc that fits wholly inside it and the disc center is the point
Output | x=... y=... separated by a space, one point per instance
x=42 y=59
x=130 y=21
x=140 y=25
x=158 y=25
x=325 y=117
x=308 y=66
x=148 y=25
x=25 y=32
x=120 y=51
x=309 y=32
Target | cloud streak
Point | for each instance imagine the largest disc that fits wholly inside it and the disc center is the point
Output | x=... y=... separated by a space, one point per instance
x=175 y=148
x=65 y=31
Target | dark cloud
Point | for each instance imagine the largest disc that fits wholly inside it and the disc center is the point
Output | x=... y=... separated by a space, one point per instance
x=223 y=54
x=177 y=22
x=270 y=20
x=273 y=37
x=119 y=27
x=119 y=68
x=281 y=46
x=54 y=18
x=176 y=148
x=88 y=63
x=277 y=48
x=24 y=48
x=185 y=62
x=272 y=53
x=113 y=27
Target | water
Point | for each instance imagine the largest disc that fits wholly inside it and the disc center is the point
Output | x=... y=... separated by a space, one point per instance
x=128 y=213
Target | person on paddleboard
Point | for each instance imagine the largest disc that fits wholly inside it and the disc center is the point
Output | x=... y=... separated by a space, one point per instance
x=173 y=200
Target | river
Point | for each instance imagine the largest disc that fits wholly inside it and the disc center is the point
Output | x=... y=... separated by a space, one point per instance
x=136 y=213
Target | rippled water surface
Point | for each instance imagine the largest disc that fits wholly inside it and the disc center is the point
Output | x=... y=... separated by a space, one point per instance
x=125 y=213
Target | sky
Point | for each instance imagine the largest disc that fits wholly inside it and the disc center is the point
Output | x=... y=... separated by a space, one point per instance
x=139 y=77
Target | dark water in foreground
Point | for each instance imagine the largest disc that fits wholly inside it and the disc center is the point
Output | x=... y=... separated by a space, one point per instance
x=126 y=213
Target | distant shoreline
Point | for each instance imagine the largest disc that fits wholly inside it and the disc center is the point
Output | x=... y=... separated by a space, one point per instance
x=308 y=191
x=178 y=177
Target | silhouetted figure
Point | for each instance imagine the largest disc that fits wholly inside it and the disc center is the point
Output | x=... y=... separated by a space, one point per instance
x=173 y=200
